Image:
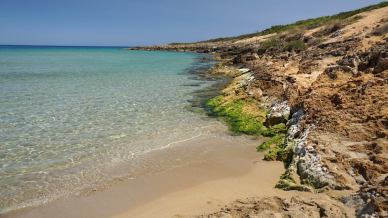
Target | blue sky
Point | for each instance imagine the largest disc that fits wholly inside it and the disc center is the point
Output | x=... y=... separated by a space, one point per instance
x=145 y=22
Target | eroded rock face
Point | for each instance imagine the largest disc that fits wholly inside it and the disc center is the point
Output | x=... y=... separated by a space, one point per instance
x=309 y=164
x=337 y=90
x=306 y=160
x=347 y=101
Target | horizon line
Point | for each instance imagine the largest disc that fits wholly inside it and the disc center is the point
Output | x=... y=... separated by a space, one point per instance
x=29 y=45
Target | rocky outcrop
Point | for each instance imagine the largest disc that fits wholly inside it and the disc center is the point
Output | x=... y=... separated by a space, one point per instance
x=329 y=85
x=307 y=160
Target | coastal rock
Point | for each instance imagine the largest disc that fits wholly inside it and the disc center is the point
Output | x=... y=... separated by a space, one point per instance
x=278 y=113
x=335 y=80
x=244 y=58
x=306 y=160
x=376 y=59
x=255 y=93
x=243 y=80
x=244 y=70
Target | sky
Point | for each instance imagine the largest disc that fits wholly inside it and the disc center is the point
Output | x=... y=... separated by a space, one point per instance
x=149 y=22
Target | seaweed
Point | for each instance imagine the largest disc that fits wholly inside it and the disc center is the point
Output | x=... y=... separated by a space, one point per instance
x=236 y=115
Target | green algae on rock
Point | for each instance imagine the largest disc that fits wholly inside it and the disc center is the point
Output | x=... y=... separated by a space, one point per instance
x=237 y=115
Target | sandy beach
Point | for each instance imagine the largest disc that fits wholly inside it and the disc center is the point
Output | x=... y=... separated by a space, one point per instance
x=204 y=173
x=288 y=121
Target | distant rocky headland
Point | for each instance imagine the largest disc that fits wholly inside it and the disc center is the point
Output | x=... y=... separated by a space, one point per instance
x=318 y=89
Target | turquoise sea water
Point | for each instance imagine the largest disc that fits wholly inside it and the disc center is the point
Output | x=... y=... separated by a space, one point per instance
x=69 y=115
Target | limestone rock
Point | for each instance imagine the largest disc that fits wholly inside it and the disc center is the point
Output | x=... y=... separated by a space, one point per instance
x=279 y=113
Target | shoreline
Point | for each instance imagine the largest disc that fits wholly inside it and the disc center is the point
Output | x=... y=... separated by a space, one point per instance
x=163 y=171
x=325 y=167
x=220 y=162
x=192 y=72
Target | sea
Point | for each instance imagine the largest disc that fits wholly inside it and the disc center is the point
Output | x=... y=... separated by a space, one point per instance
x=70 y=117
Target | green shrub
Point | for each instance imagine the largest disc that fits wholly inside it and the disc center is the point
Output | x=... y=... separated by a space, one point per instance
x=270 y=43
x=281 y=45
x=295 y=45
x=307 y=24
x=319 y=21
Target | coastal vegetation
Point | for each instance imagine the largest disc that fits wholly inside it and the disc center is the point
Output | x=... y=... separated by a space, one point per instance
x=245 y=116
x=238 y=116
x=304 y=24
x=275 y=43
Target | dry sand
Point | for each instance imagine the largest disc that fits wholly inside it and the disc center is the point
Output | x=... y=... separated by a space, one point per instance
x=194 y=177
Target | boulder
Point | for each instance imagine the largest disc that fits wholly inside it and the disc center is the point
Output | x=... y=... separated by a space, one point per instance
x=279 y=113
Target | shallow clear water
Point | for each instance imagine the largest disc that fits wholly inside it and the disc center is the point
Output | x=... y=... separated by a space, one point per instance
x=70 y=114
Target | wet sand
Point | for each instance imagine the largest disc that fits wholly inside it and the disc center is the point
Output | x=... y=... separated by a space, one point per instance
x=191 y=178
